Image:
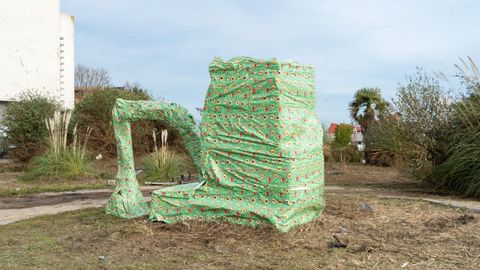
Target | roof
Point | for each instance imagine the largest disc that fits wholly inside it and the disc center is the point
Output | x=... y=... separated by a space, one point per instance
x=332 y=128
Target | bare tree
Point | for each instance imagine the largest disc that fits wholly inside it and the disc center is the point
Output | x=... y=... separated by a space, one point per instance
x=91 y=78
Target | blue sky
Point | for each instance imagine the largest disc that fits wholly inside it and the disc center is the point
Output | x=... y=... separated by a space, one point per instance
x=166 y=46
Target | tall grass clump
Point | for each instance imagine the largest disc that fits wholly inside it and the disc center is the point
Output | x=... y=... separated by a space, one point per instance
x=164 y=163
x=62 y=160
x=461 y=171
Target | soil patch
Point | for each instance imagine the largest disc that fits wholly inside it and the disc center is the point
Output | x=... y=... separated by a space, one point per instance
x=355 y=231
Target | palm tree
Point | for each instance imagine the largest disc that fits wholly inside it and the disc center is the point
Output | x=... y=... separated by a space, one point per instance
x=367 y=107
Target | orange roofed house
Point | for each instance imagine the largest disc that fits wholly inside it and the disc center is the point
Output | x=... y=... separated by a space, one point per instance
x=357 y=136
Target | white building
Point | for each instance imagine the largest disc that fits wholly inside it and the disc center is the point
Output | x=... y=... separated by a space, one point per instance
x=357 y=138
x=36 y=50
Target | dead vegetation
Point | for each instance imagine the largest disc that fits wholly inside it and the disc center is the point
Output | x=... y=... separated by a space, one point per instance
x=354 y=232
x=384 y=178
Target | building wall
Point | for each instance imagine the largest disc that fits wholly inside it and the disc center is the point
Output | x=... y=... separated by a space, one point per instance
x=67 y=59
x=30 y=49
x=357 y=137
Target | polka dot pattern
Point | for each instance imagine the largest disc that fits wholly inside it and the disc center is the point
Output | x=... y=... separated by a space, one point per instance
x=259 y=150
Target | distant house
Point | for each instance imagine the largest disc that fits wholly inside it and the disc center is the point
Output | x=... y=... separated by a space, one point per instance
x=357 y=136
x=36 y=50
x=331 y=131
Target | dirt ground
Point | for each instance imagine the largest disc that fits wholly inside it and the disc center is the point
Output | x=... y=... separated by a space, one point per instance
x=352 y=175
x=56 y=198
x=354 y=231
x=360 y=175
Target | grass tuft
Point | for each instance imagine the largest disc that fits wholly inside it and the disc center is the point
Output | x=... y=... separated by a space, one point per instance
x=164 y=163
x=67 y=164
x=461 y=171
x=61 y=160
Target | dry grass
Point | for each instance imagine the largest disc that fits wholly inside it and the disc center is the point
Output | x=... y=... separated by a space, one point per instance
x=353 y=175
x=384 y=178
x=394 y=233
x=11 y=186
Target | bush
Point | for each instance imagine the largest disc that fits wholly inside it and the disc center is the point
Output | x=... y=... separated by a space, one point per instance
x=461 y=171
x=95 y=111
x=61 y=160
x=24 y=121
x=384 y=144
x=425 y=123
x=346 y=154
x=343 y=135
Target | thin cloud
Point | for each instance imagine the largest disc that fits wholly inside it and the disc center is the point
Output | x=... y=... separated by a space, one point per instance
x=167 y=45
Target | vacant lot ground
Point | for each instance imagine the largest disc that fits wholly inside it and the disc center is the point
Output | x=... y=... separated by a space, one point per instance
x=355 y=231
x=352 y=175
x=359 y=175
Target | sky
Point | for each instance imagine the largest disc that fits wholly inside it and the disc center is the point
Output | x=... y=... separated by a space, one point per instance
x=166 y=46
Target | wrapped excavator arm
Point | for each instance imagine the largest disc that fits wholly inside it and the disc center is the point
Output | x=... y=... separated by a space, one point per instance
x=127 y=201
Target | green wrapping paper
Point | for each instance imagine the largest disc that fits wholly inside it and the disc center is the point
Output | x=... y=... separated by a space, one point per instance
x=127 y=201
x=259 y=152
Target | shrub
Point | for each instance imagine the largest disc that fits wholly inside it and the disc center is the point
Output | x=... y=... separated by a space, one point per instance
x=24 y=122
x=461 y=171
x=343 y=135
x=425 y=122
x=95 y=112
x=164 y=163
x=61 y=160
x=340 y=149
x=385 y=140
x=346 y=154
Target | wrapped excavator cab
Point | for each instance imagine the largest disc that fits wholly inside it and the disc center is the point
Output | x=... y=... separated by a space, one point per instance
x=259 y=151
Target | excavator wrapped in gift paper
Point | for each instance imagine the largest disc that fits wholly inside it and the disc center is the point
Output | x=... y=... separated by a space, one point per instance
x=259 y=151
